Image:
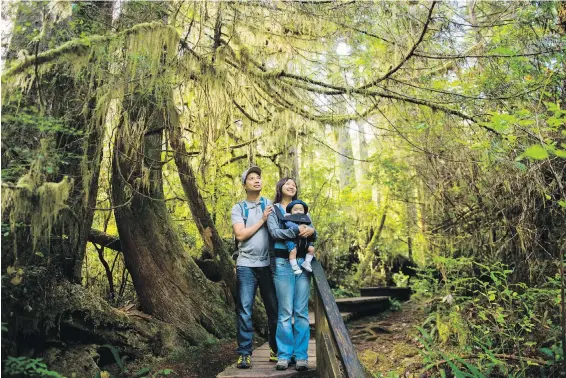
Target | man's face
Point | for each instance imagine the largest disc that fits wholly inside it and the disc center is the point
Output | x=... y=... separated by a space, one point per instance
x=253 y=182
x=298 y=209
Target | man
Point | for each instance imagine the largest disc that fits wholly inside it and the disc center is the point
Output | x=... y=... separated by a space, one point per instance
x=249 y=220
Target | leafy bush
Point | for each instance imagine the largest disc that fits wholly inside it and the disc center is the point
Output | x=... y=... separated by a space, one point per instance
x=125 y=372
x=341 y=292
x=28 y=367
x=484 y=315
x=394 y=304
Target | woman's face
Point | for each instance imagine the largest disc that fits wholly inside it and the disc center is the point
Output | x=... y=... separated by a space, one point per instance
x=289 y=189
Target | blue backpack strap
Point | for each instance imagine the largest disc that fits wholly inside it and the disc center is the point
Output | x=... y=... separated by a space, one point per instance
x=263 y=203
x=245 y=211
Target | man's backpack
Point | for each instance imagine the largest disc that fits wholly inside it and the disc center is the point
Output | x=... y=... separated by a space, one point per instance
x=245 y=213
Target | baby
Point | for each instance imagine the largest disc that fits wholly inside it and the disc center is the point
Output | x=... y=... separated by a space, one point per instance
x=294 y=211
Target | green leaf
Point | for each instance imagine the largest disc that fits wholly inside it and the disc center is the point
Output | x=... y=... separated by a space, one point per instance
x=547 y=352
x=552 y=106
x=521 y=166
x=116 y=356
x=142 y=372
x=502 y=51
x=536 y=151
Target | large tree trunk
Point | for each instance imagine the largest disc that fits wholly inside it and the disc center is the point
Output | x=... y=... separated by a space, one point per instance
x=363 y=148
x=169 y=284
x=345 y=163
x=411 y=221
x=289 y=159
x=48 y=249
x=199 y=211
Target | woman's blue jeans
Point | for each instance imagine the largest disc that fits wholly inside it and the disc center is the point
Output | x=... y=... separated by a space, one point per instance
x=248 y=280
x=293 y=301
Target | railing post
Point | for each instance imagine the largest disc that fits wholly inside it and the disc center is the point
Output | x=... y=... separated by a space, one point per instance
x=335 y=354
x=327 y=358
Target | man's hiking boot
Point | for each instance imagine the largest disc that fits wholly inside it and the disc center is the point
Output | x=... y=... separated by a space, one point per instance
x=282 y=365
x=307 y=266
x=244 y=362
x=302 y=365
x=272 y=356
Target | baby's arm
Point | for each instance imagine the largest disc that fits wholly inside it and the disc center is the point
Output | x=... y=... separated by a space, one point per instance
x=292 y=226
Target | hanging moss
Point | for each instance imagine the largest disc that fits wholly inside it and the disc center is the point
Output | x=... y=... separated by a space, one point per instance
x=33 y=200
x=83 y=46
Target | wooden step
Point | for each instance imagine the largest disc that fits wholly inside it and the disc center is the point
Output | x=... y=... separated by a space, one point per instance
x=363 y=305
x=400 y=293
x=345 y=317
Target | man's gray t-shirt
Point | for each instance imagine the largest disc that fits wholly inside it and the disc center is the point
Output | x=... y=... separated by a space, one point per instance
x=253 y=252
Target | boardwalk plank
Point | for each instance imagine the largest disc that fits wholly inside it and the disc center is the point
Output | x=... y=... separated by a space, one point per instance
x=263 y=368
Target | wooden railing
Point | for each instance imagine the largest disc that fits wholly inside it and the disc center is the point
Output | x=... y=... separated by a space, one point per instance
x=335 y=354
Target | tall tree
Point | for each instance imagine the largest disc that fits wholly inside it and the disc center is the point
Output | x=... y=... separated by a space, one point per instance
x=168 y=282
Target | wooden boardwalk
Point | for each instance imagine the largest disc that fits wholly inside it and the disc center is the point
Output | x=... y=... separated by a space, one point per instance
x=337 y=357
x=261 y=367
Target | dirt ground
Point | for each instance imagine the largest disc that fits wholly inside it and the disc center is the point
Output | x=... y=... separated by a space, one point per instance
x=388 y=343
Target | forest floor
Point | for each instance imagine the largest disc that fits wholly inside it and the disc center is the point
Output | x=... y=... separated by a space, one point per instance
x=388 y=343
x=201 y=362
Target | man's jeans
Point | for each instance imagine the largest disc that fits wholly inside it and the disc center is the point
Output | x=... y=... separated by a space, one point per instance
x=293 y=299
x=248 y=279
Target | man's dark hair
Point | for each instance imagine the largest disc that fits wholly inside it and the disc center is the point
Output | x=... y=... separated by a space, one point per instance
x=279 y=187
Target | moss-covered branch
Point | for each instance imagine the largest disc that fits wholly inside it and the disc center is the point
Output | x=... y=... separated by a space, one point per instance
x=78 y=47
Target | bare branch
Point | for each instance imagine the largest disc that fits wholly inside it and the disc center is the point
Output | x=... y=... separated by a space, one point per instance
x=409 y=55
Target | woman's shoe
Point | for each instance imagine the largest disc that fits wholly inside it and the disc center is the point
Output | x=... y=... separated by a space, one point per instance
x=302 y=365
x=282 y=365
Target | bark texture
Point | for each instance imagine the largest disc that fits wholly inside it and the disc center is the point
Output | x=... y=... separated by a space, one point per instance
x=199 y=211
x=169 y=284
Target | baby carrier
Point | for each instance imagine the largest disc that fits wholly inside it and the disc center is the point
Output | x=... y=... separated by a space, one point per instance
x=301 y=243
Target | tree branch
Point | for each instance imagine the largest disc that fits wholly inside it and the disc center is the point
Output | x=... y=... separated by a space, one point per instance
x=440 y=57
x=105 y=240
x=409 y=55
x=78 y=46
x=249 y=116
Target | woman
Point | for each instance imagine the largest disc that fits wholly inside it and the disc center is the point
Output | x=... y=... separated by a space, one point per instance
x=292 y=290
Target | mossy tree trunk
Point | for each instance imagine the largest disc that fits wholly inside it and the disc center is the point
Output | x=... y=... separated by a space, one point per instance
x=54 y=143
x=170 y=286
x=199 y=211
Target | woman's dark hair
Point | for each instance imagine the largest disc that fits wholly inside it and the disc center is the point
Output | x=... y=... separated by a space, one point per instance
x=279 y=187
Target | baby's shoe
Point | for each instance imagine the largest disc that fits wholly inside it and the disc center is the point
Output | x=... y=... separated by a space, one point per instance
x=297 y=270
x=307 y=266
